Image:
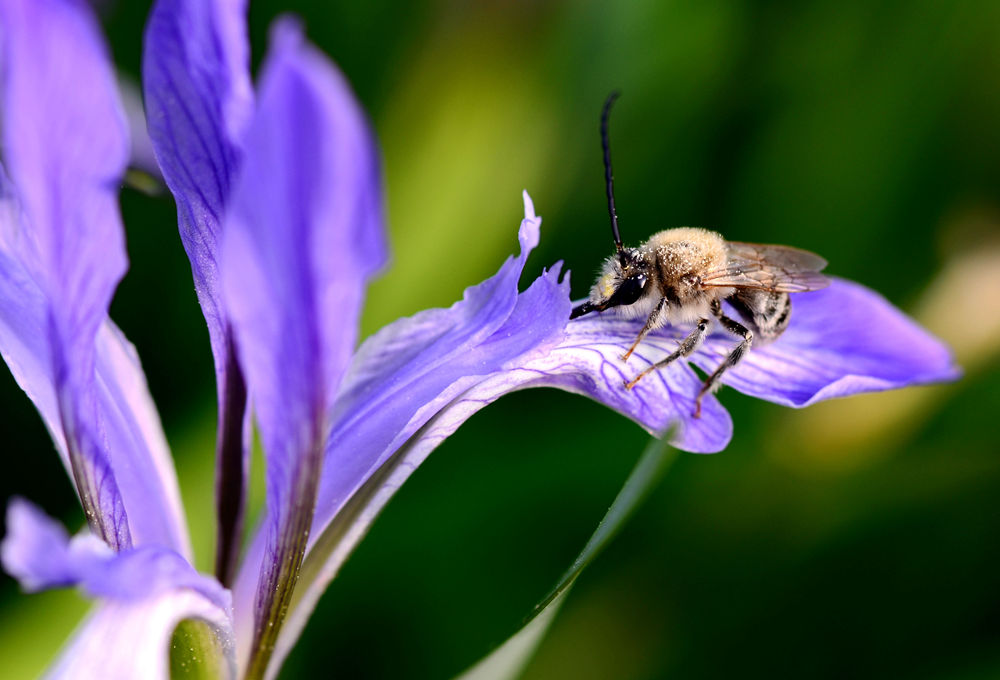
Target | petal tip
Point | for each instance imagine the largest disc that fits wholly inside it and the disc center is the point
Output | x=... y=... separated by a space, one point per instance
x=287 y=32
x=529 y=205
x=530 y=231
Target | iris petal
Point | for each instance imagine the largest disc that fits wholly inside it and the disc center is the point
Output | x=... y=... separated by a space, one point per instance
x=196 y=80
x=303 y=234
x=199 y=100
x=143 y=594
x=416 y=381
x=423 y=379
x=588 y=362
x=65 y=146
x=842 y=340
x=399 y=379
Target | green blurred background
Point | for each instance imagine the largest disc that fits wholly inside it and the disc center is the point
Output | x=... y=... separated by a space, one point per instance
x=853 y=539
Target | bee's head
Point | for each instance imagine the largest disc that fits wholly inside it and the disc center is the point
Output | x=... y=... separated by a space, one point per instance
x=622 y=282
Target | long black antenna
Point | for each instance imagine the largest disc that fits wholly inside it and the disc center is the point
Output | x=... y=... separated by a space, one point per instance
x=608 y=177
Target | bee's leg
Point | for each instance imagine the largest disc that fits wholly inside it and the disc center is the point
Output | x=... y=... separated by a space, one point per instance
x=734 y=357
x=650 y=323
x=689 y=345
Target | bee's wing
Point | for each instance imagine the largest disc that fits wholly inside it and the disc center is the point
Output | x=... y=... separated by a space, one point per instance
x=782 y=269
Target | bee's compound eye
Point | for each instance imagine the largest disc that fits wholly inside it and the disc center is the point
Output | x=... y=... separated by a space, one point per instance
x=629 y=291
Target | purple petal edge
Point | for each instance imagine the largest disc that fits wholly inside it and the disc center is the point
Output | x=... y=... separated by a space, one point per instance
x=845 y=339
x=37 y=551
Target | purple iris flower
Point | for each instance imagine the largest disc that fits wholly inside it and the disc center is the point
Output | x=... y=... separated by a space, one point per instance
x=279 y=203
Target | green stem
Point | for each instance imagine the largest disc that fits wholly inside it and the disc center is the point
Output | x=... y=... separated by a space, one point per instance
x=196 y=653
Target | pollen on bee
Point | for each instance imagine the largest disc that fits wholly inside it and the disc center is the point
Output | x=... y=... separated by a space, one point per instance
x=686 y=249
x=607 y=289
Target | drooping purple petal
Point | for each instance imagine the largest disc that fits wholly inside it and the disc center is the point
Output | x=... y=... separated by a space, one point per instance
x=199 y=101
x=588 y=362
x=418 y=364
x=65 y=147
x=144 y=593
x=407 y=372
x=502 y=340
x=37 y=551
x=416 y=381
x=304 y=233
x=842 y=340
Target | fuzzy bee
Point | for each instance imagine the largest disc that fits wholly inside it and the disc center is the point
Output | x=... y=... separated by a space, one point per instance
x=681 y=276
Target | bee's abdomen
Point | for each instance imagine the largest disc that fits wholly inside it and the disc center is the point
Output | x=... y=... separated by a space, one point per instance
x=767 y=312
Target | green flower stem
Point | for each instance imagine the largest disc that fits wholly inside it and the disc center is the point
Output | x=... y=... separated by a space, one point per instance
x=196 y=653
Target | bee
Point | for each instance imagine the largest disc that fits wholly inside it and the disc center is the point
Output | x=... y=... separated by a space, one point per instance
x=682 y=275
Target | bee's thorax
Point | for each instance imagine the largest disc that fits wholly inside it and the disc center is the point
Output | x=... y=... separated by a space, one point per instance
x=672 y=262
x=679 y=259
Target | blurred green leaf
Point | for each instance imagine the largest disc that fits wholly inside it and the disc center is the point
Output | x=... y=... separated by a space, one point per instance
x=509 y=659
